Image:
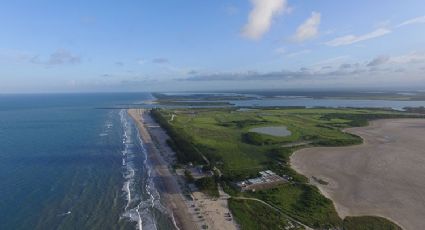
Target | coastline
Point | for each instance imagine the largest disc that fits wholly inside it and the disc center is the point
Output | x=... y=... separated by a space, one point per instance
x=365 y=179
x=166 y=181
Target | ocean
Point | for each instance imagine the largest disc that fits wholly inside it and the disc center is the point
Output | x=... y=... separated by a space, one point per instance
x=72 y=161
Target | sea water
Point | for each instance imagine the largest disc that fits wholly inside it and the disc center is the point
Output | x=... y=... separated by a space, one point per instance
x=72 y=161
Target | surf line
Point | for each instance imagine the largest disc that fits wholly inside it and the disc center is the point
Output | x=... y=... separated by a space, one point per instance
x=151 y=190
x=133 y=214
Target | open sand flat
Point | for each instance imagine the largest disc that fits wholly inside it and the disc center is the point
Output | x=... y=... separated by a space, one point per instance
x=385 y=176
x=214 y=210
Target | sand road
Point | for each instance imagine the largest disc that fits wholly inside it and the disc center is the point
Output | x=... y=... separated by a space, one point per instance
x=385 y=176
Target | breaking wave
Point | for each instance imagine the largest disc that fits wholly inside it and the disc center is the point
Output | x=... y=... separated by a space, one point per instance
x=139 y=191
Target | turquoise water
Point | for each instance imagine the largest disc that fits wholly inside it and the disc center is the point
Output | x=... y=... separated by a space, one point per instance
x=65 y=164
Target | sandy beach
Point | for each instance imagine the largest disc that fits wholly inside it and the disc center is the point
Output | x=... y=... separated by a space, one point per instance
x=384 y=176
x=189 y=214
x=167 y=183
x=214 y=211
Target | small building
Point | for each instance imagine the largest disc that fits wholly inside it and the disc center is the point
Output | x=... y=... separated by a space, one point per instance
x=267 y=179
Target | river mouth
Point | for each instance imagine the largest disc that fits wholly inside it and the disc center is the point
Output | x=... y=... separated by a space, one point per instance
x=277 y=131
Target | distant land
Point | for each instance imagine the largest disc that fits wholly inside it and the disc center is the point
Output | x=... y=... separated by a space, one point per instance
x=222 y=139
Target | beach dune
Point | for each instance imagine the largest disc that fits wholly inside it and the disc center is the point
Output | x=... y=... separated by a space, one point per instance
x=384 y=176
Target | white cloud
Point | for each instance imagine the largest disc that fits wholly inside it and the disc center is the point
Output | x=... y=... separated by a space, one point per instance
x=231 y=10
x=379 y=61
x=412 y=21
x=309 y=29
x=350 y=39
x=280 y=50
x=332 y=61
x=59 y=57
x=261 y=16
x=15 y=56
x=344 y=70
x=410 y=58
x=160 y=60
x=298 y=53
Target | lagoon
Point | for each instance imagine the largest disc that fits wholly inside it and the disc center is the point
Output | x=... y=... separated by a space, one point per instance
x=330 y=103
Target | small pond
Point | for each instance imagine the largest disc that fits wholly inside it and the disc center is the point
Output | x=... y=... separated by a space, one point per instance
x=278 y=131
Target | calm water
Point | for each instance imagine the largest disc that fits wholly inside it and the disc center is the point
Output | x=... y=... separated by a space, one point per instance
x=278 y=131
x=333 y=103
x=66 y=165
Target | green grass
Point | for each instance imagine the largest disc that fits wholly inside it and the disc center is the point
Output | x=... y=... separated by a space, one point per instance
x=208 y=186
x=220 y=134
x=302 y=202
x=253 y=215
x=369 y=223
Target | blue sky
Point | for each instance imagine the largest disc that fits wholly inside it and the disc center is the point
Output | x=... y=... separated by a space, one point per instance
x=73 y=46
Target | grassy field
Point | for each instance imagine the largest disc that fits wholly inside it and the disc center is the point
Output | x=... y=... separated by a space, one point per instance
x=302 y=202
x=224 y=137
x=369 y=223
x=253 y=215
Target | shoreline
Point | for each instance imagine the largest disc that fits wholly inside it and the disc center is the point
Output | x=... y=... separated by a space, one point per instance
x=201 y=211
x=164 y=179
x=361 y=178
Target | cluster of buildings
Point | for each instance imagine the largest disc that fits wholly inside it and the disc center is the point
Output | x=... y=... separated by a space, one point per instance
x=267 y=179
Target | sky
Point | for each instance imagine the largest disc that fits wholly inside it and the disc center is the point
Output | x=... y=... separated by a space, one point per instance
x=194 y=45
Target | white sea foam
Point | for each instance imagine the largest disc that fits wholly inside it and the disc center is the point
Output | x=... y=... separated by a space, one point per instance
x=139 y=204
x=65 y=213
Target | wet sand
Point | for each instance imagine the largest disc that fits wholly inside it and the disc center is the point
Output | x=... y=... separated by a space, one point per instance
x=385 y=176
x=167 y=183
x=189 y=214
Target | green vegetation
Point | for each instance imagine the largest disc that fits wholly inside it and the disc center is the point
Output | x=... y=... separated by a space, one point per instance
x=208 y=185
x=369 y=223
x=197 y=100
x=223 y=136
x=188 y=176
x=253 y=215
x=420 y=110
x=302 y=202
x=180 y=142
x=257 y=139
x=193 y=103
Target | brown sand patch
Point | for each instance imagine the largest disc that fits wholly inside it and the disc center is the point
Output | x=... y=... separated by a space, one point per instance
x=385 y=176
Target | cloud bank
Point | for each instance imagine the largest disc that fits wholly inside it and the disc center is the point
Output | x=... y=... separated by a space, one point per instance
x=381 y=64
x=160 y=60
x=59 y=57
x=379 y=61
